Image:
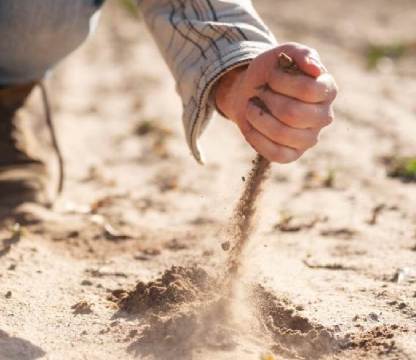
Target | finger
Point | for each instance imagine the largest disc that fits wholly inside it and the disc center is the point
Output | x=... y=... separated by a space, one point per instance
x=307 y=59
x=297 y=114
x=270 y=150
x=303 y=87
x=278 y=132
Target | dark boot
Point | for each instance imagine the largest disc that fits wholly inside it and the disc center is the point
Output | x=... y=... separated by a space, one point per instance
x=24 y=175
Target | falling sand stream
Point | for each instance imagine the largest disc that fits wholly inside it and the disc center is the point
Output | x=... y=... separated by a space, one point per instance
x=243 y=219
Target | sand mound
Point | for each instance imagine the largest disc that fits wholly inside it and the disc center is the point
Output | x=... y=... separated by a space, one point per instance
x=183 y=313
x=176 y=286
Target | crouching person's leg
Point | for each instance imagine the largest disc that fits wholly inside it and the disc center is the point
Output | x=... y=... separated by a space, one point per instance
x=35 y=36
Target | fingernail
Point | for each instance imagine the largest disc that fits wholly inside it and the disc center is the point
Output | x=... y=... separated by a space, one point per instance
x=317 y=63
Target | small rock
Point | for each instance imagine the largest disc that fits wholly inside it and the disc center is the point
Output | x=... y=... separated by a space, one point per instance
x=104 y=331
x=210 y=253
x=175 y=245
x=132 y=333
x=82 y=308
x=141 y=257
x=151 y=251
x=8 y=295
x=226 y=246
x=373 y=316
x=401 y=306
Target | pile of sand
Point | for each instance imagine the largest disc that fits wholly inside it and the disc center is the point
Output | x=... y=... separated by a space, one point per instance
x=176 y=286
x=186 y=311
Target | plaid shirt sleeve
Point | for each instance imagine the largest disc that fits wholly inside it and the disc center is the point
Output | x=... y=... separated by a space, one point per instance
x=201 y=40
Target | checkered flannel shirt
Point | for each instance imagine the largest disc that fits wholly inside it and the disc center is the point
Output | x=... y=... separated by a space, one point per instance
x=200 y=41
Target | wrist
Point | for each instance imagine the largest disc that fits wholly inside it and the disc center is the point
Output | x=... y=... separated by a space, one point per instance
x=225 y=90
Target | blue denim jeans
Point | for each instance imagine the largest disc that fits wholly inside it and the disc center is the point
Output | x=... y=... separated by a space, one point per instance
x=36 y=35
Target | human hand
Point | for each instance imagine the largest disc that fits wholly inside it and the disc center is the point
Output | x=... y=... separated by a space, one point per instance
x=299 y=105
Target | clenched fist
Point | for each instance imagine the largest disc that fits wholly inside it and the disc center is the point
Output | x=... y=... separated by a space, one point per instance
x=298 y=105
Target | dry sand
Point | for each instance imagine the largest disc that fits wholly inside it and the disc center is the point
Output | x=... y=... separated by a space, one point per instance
x=330 y=273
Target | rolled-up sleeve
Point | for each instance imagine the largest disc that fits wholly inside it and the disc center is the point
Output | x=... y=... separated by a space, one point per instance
x=200 y=41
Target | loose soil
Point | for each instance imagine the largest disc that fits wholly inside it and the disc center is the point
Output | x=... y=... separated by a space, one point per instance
x=126 y=266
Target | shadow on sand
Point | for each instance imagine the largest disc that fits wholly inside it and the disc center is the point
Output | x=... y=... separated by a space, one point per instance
x=13 y=348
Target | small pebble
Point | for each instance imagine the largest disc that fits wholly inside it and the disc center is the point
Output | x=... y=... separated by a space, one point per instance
x=133 y=333
x=401 y=306
x=226 y=246
x=373 y=316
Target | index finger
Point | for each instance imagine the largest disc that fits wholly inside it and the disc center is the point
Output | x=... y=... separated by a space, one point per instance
x=302 y=87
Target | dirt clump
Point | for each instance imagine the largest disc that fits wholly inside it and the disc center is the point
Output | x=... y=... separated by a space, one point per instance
x=176 y=286
x=379 y=340
x=82 y=308
x=292 y=334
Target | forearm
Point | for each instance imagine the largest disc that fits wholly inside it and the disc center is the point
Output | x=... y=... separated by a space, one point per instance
x=201 y=41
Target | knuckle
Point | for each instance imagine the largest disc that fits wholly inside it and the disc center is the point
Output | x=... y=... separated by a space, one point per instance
x=308 y=141
x=328 y=118
x=333 y=92
x=331 y=88
x=334 y=87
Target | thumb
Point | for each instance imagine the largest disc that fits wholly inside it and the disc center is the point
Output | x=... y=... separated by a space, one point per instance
x=308 y=62
x=311 y=66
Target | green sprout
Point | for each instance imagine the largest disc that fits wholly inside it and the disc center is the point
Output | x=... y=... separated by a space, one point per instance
x=403 y=168
x=375 y=53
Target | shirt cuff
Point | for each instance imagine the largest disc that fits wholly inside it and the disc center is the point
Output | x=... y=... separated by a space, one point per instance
x=197 y=114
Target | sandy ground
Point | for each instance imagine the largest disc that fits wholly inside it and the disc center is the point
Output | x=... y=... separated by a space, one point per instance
x=336 y=243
